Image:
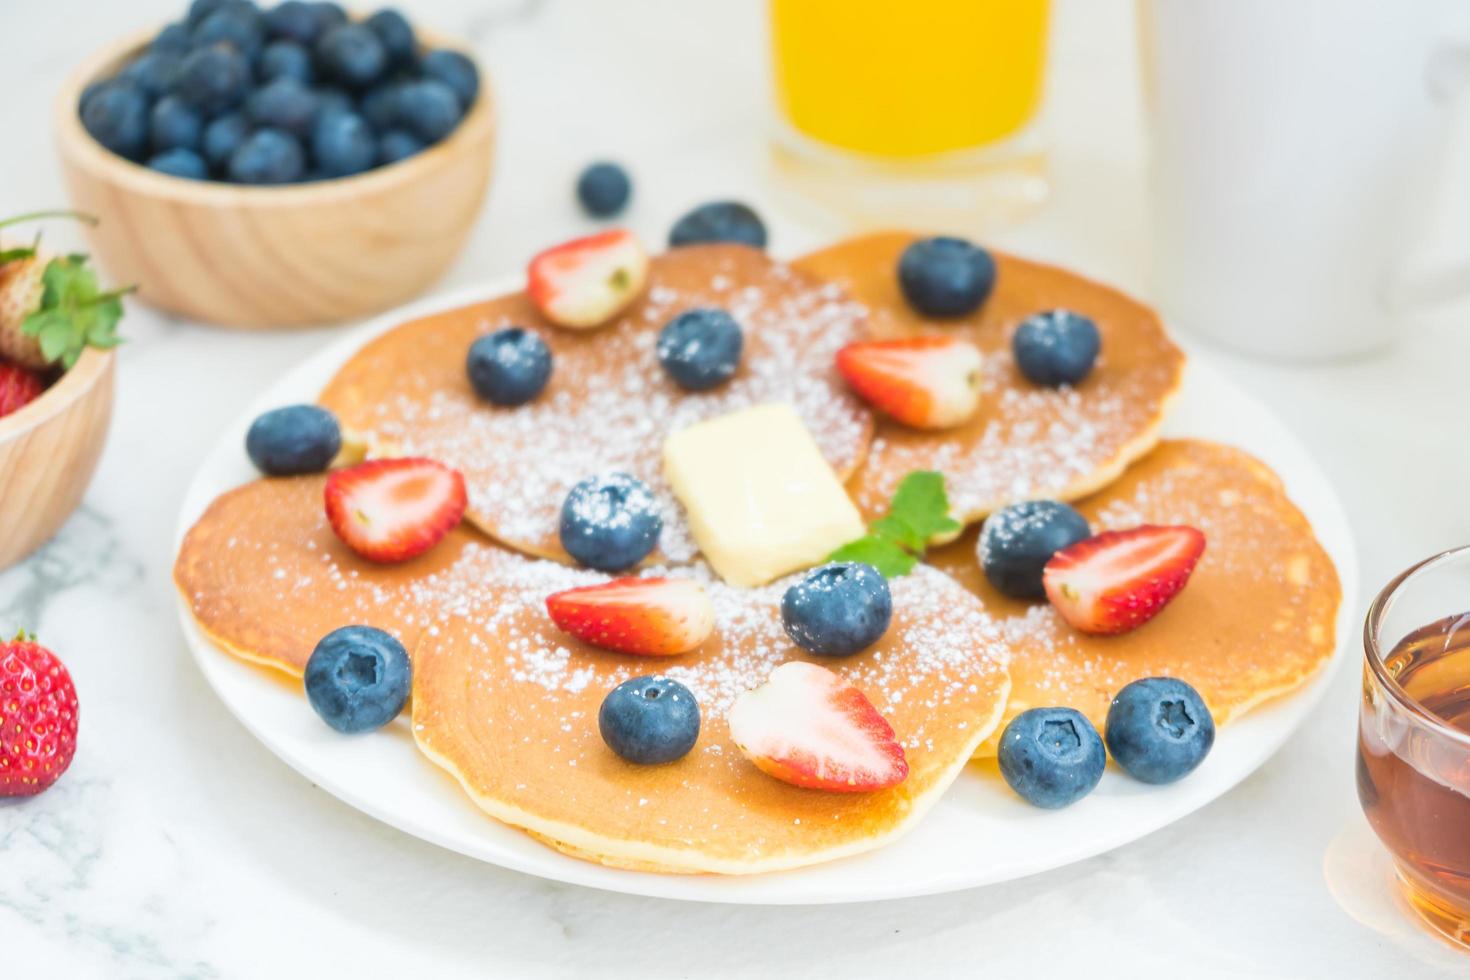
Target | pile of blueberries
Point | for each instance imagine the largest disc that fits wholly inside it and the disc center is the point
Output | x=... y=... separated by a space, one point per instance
x=294 y=93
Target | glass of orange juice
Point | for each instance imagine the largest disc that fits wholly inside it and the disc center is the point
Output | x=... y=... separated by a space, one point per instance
x=921 y=112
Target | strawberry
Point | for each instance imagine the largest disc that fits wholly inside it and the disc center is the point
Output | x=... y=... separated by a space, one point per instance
x=588 y=281
x=924 y=382
x=655 y=617
x=808 y=727
x=38 y=718
x=21 y=290
x=391 y=510
x=51 y=308
x=18 y=387
x=1118 y=580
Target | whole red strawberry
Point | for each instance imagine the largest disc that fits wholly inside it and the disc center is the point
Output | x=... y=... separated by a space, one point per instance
x=38 y=718
x=18 y=387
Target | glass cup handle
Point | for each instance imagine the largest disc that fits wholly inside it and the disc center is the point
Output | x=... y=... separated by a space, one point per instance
x=1447 y=77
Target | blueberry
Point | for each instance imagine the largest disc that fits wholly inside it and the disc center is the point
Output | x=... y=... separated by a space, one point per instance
x=509 y=366
x=268 y=156
x=200 y=9
x=283 y=104
x=1057 y=347
x=174 y=125
x=1159 y=729
x=396 y=34
x=837 y=609
x=223 y=137
x=379 y=105
x=945 y=276
x=649 y=720
x=343 y=144
x=700 y=348
x=173 y=39
x=154 y=72
x=294 y=21
x=213 y=78
x=91 y=89
x=238 y=24
x=603 y=189
x=610 y=522
x=285 y=59
x=180 y=162
x=719 y=221
x=293 y=440
x=328 y=15
x=330 y=99
x=117 y=117
x=429 y=109
x=1051 y=757
x=395 y=145
x=1017 y=542
x=352 y=54
x=455 y=70
x=358 y=679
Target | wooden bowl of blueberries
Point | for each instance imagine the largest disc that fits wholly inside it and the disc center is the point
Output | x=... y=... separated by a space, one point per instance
x=278 y=167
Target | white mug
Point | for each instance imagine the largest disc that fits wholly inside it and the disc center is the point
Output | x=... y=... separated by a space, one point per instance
x=1295 y=146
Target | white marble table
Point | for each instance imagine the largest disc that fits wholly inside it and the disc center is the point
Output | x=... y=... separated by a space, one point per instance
x=178 y=847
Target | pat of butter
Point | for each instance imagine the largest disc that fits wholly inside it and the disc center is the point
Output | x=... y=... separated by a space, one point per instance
x=761 y=499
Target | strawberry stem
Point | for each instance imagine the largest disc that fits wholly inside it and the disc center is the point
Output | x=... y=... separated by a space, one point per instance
x=81 y=216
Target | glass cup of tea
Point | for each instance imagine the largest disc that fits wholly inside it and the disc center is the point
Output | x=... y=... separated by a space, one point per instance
x=920 y=114
x=1414 y=736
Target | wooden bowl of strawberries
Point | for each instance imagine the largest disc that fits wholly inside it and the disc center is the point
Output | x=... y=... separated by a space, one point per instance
x=57 y=331
x=278 y=167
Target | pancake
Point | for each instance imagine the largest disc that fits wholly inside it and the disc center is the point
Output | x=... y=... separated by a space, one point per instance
x=609 y=403
x=1257 y=619
x=508 y=703
x=509 y=706
x=266 y=577
x=1026 y=440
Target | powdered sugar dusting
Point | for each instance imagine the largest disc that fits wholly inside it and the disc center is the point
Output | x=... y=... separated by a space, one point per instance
x=610 y=405
x=1036 y=442
x=941 y=644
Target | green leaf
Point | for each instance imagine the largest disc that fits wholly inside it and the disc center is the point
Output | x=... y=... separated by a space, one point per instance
x=74 y=313
x=922 y=506
x=889 y=559
x=895 y=542
x=11 y=254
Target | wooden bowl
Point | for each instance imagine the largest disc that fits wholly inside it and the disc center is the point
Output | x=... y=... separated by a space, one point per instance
x=48 y=452
x=275 y=256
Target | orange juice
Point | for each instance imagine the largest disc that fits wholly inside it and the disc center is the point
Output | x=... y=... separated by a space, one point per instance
x=908 y=79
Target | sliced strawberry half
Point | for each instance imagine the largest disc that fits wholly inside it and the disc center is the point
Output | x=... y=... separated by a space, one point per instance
x=654 y=617
x=588 y=281
x=808 y=727
x=394 y=509
x=1118 y=580
x=924 y=382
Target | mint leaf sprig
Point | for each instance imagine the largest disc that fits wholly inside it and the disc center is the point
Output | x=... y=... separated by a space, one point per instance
x=895 y=543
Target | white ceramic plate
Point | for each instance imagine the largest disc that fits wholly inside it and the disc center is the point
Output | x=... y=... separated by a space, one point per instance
x=977 y=834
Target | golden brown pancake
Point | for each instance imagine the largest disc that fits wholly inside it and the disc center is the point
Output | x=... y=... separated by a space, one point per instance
x=266 y=577
x=508 y=703
x=1026 y=440
x=1257 y=619
x=609 y=403
x=509 y=706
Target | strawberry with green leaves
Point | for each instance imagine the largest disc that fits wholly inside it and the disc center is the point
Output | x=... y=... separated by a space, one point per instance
x=51 y=307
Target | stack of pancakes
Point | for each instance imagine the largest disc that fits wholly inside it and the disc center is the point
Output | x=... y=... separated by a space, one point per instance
x=507 y=703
